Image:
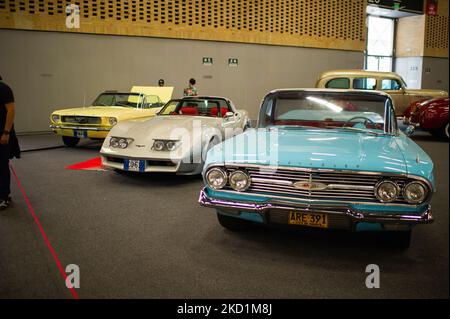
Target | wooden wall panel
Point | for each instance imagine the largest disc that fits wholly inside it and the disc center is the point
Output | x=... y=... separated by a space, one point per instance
x=410 y=36
x=334 y=24
x=436 y=32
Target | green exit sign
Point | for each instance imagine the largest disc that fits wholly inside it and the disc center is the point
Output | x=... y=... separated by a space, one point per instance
x=233 y=62
x=207 y=61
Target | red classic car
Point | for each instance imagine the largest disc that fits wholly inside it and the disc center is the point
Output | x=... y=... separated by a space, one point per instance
x=429 y=115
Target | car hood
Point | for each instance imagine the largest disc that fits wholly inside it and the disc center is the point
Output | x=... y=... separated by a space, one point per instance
x=105 y=111
x=322 y=149
x=427 y=93
x=163 y=127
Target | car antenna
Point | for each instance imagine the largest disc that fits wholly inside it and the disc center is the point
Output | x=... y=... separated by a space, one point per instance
x=84 y=99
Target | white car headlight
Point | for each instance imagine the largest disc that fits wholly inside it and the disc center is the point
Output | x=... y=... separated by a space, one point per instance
x=387 y=191
x=159 y=145
x=112 y=121
x=119 y=142
x=171 y=145
x=415 y=192
x=239 y=181
x=216 y=178
x=55 y=118
x=165 y=145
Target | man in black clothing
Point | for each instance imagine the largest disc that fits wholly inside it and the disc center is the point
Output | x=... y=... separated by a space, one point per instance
x=9 y=146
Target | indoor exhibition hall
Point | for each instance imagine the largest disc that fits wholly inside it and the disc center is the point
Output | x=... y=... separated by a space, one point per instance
x=247 y=150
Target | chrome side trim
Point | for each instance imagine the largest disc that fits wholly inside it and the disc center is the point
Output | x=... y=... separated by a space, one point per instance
x=351 y=187
x=359 y=216
x=271 y=181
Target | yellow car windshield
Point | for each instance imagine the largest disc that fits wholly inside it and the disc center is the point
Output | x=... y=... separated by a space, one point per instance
x=119 y=99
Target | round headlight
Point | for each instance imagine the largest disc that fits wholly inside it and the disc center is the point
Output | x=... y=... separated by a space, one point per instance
x=112 y=121
x=171 y=145
x=415 y=192
x=239 y=181
x=123 y=143
x=114 y=142
x=216 y=178
x=387 y=191
x=55 y=118
x=158 y=145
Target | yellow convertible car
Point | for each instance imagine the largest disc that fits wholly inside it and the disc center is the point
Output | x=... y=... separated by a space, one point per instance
x=110 y=107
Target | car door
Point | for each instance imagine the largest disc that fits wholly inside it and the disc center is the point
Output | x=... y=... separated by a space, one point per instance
x=394 y=88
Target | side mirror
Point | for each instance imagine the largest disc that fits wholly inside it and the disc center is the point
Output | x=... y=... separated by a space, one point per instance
x=229 y=114
x=410 y=130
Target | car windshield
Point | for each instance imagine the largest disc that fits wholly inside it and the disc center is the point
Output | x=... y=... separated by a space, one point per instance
x=325 y=110
x=134 y=100
x=196 y=107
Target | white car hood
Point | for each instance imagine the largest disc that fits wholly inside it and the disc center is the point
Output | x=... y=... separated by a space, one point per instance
x=170 y=127
x=163 y=127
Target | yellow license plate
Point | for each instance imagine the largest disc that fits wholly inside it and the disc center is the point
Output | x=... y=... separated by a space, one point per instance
x=308 y=219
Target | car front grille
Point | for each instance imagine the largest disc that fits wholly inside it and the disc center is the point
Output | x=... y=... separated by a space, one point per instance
x=336 y=185
x=81 y=120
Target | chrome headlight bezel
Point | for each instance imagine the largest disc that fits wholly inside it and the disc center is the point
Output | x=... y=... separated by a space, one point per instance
x=171 y=145
x=219 y=171
x=426 y=192
x=380 y=184
x=56 y=118
x=120 y=142
x=165 y=145
x=112 y=121
x=234 y=185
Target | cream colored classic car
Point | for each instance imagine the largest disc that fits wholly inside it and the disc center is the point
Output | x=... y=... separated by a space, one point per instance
x=109 y=108
x=388 y=82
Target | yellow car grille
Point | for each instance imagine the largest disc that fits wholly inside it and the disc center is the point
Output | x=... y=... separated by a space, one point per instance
x=81 y=120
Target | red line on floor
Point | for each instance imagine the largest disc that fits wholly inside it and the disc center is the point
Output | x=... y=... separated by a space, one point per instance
x=92 y=164
x=44 y=235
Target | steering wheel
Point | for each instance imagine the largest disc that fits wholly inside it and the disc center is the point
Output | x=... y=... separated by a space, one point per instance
x=366 y=120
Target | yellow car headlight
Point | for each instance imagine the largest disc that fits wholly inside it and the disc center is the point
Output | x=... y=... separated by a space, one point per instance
x=55 y=118
x=112 y=121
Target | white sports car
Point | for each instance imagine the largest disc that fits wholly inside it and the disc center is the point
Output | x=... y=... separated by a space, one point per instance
x=177 y=139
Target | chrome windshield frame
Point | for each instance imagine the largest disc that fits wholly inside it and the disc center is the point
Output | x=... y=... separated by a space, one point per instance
x=388 y=126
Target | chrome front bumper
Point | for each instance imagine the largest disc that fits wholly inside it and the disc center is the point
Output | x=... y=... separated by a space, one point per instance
x=356 y=216
x=78 y=128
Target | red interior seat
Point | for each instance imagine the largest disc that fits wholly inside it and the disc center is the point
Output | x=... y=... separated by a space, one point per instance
x=189 y=110
x=223 y=111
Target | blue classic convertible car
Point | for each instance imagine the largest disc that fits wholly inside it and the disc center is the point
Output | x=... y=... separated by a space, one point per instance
x=322 y=158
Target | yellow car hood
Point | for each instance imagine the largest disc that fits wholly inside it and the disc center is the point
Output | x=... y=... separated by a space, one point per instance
x=107 y=111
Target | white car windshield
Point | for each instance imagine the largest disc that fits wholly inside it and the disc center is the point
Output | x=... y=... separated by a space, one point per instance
x=325 y=110
x=197 y=107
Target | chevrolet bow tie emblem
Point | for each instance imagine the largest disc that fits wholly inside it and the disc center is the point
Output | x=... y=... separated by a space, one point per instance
x=310 y=186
